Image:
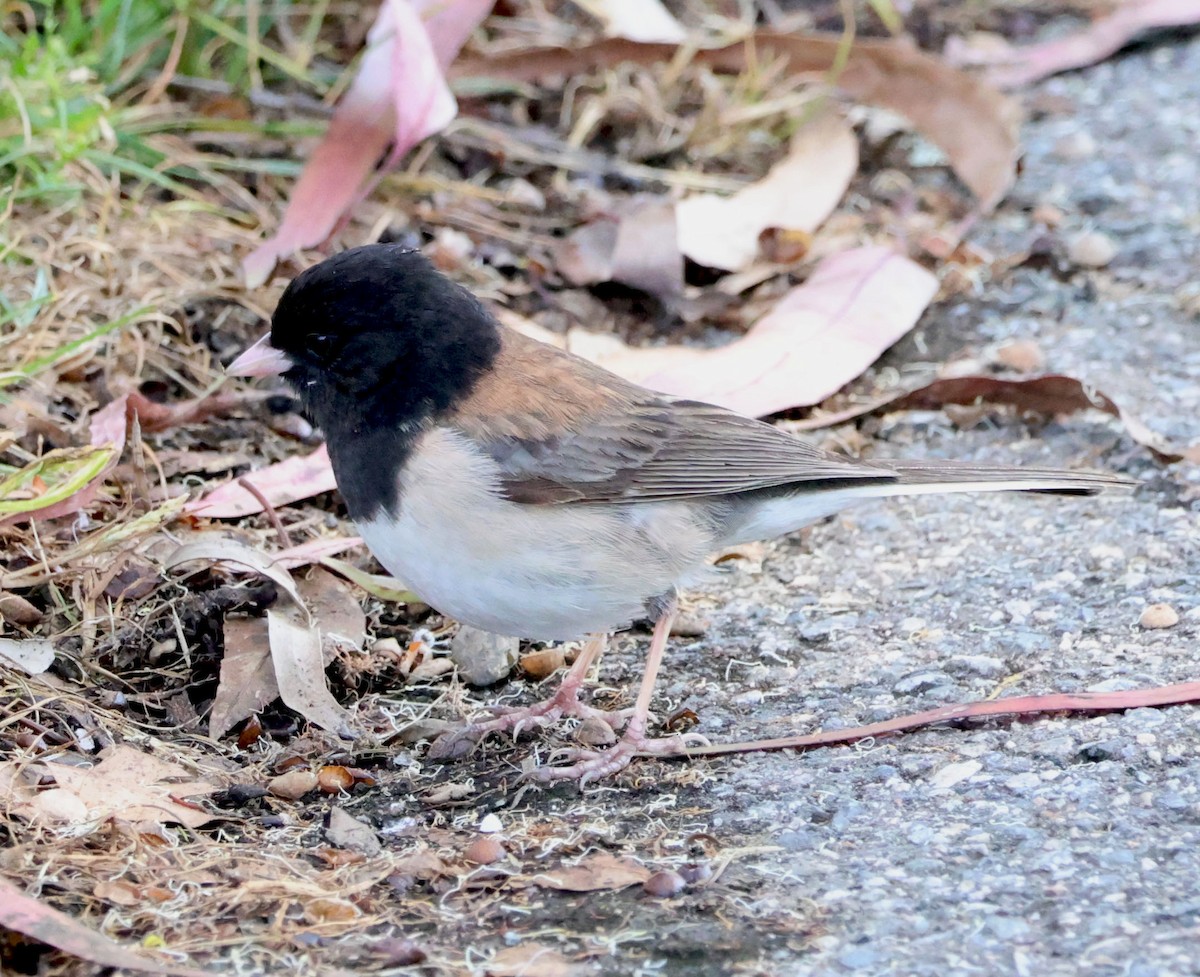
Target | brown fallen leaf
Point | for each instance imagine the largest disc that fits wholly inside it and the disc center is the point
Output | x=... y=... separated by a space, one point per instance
x=820 y=336
x=637 y=245
x=797 y=194
x=247 y=681
x=398 y=97
x=25 y=914
x=530 y=959
x=134 y=786
x=300 y=670
x=973 y=123
x=336 y=610
x=1050 y=395
x=593 y=873
x=1019 y=66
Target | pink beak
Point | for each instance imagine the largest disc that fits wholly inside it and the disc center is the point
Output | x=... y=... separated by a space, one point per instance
x=260 y=360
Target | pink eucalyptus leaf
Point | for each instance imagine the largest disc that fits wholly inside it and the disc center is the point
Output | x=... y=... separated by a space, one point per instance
x=398 y=98
x=282 y=483
x=820 y=336
x=1104 y=38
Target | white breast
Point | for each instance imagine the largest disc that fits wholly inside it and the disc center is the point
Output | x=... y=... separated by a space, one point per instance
x=550 y=572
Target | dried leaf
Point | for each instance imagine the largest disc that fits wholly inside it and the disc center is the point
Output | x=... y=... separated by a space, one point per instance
x=530 y=959
x=796 y=195
x=24 y=914
x=66 y=480
x=282 y=483
x=336 y=611
x=314 y=551
x=214 y=548
x=54 y=481
x=247 y=682
x=596 y=872
x=636 y=20
x=31 y=655
x=974 y=124
x=377 y=585
x=637 y=246
x=853 y=307
x=398 y=97
x=1027 y=705
x=300 y=670
x=1051 y=394
x=1104 y=38
x=135 y=786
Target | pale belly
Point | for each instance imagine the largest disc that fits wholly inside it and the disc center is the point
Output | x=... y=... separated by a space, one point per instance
x=549 y=572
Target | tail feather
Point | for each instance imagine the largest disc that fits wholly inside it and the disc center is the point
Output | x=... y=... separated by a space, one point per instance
x=774 y=512
x=921 y=477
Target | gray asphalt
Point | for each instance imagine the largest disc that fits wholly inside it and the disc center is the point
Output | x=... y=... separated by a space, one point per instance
x=1063 y=845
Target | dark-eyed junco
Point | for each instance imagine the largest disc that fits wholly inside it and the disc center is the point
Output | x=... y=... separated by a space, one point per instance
x=525 y=491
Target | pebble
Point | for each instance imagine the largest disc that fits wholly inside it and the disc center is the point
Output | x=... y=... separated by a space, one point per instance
x=664 y=884
x=292 y=785
x=1075 y=145
x=1158 y=616
x=981 y=665
x=924 y=680
x=594 y=731
x=1091 y=249
x=541 y=663
x=484 y=851
x=483 y=658
x=954 y=773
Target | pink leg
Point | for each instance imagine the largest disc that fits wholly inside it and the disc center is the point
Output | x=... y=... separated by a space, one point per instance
x=564 y=702
x=595 y=764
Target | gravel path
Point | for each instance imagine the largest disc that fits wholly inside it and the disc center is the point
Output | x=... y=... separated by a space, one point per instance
x=1060 y=846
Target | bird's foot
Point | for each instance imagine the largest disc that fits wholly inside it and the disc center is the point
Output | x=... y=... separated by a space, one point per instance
x=564 y=703
x=588 y=765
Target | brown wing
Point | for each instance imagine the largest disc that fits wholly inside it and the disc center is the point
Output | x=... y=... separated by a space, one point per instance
x=564 y=430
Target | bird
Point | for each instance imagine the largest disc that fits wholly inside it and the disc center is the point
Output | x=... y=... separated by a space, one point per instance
x=525 y=491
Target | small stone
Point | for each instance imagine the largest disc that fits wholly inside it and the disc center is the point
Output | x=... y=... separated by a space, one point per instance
x=17 y=610
x=1021 y=355
x=346 y=831
x=483 y=658
x=292 y=785
x=982 y=665
x=1091 y=249
x=539 y=664
x=955 y=773
x=925 y=680
x=664 y=884
x=595 y=732
x=1158 y=616
x=1076 y=144
x=489 y=824
x=484 y=851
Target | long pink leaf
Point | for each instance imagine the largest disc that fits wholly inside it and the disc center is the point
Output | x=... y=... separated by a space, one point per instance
x=398 y=97
x=822 y=334
x=1101 y=40
x=282 y=483
x=1026 y=705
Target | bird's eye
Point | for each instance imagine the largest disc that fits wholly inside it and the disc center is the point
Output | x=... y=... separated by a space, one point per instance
x=321 y=345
